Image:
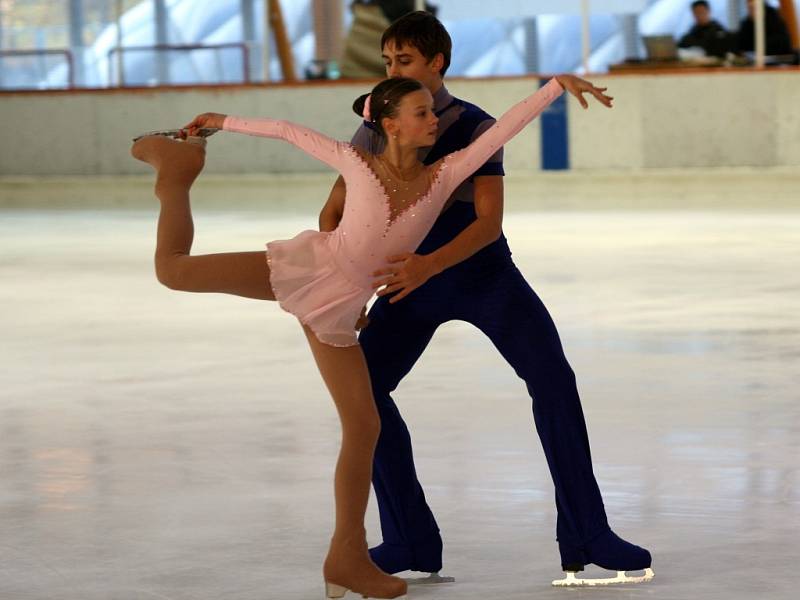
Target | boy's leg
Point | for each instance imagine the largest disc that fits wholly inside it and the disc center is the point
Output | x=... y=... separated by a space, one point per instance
x=514 y=318
x=395 y=338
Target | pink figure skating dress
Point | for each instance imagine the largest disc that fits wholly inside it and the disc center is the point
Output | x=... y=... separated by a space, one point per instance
x=325 y=278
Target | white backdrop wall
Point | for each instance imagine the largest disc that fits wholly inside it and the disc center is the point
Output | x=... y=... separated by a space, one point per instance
x=664 y=121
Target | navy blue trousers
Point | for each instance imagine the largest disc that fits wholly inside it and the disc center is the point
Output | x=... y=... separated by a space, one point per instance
x=488 y=291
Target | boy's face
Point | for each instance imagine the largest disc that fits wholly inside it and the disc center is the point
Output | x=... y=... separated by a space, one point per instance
x=407 y=61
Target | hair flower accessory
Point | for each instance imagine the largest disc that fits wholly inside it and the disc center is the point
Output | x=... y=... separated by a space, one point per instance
x=367 y=114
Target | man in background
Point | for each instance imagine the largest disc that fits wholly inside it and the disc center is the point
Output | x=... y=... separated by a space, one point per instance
x=707 y=33
x=779 y=42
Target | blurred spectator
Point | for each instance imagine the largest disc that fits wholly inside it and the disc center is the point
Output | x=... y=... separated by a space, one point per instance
x=778 y=39
x=707 y=33
x=327 y=40
x=394 y=9
x=362 y=53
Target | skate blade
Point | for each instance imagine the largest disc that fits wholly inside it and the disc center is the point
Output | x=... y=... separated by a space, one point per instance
x=622 y=577
x=432 y=579
x=336 y=592
x=175 y=133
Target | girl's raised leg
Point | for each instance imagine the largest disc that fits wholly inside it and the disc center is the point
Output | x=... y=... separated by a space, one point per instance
x=348 y=565
x=177 y=165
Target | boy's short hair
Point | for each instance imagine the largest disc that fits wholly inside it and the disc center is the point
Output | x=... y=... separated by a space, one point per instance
x=423 y=31
x=704 y=3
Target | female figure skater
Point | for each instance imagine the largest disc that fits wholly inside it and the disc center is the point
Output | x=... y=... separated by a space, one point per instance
x=326 y=278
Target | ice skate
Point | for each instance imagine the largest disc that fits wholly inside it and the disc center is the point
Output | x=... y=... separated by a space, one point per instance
x=607 y=551
x=174 y=161
x=177 y=133
x=430 y=579
x=394 y=558
x=334 y=592
x=348 y=568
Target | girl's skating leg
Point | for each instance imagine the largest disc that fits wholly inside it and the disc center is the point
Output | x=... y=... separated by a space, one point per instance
x=348 y=565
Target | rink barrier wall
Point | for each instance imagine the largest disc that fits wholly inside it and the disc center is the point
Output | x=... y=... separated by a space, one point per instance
x=708 y=118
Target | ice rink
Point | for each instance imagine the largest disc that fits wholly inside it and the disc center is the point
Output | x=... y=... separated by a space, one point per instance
x=158 y=445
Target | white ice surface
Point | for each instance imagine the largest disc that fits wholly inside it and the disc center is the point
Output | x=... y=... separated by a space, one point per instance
x=163 y=445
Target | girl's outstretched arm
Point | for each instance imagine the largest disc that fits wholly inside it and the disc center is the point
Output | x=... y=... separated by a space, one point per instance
x=332 y=152
x=463 y=163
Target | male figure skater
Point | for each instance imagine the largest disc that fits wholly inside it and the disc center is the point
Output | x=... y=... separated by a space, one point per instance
x=463 y=270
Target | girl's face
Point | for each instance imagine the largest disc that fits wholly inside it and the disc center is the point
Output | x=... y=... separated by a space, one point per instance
x=415 y=124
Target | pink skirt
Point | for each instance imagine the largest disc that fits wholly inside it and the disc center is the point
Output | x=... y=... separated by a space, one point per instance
x=308 y=284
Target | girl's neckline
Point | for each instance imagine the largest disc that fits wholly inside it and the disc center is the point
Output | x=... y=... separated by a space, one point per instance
x=399 y=174
x=392 y=217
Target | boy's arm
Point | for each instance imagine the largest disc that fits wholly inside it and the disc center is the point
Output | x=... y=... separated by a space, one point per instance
x=332 y=211
x=409 y=271
x=486 y=228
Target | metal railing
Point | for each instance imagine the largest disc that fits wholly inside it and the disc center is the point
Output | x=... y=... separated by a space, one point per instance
x=65 y=52
x=119 y=52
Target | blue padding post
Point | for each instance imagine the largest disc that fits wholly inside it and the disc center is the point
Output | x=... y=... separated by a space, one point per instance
x=555 y=141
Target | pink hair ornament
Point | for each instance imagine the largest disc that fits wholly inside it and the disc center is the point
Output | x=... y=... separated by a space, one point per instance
x=367 y=114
